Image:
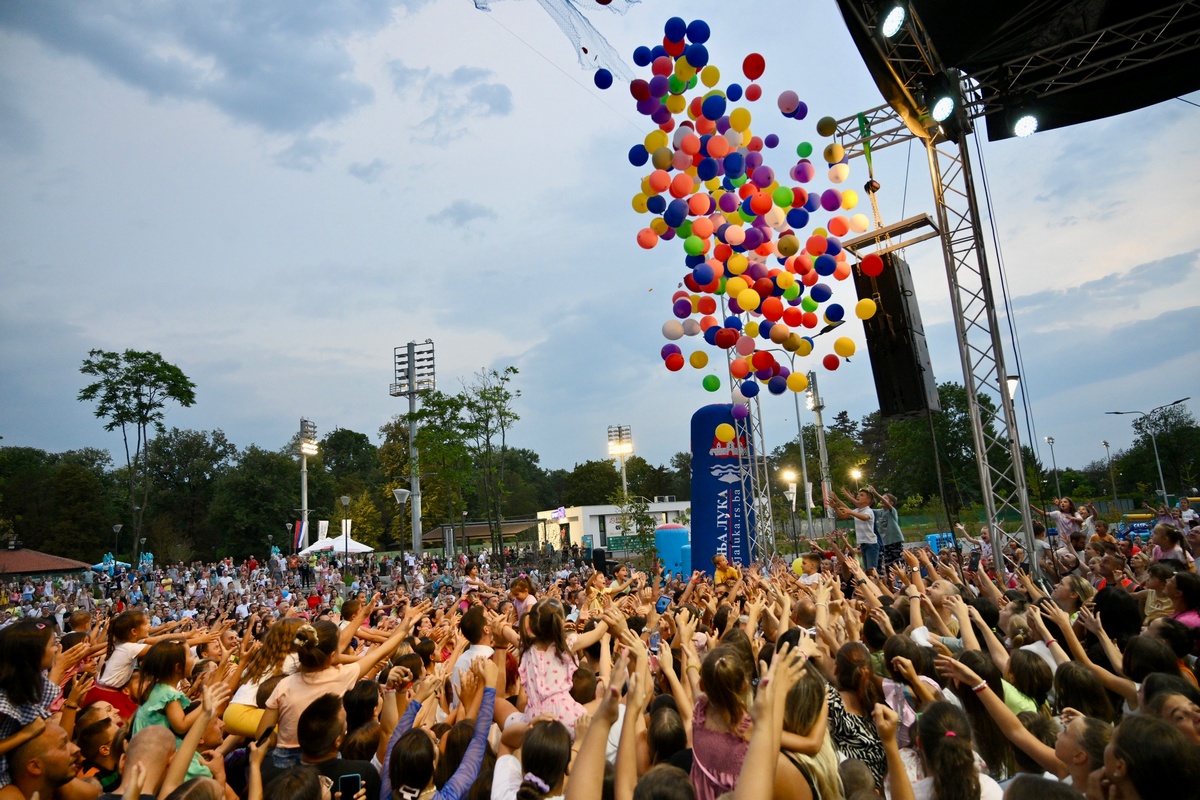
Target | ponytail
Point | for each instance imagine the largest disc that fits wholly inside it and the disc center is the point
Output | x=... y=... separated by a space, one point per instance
x=854 y=674
x=945 y=740
x=316 y=644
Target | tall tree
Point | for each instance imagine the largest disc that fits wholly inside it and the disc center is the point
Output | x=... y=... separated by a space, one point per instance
x=252 y=501
x=591 y=483
x=490 y=415
x=182 y=467
x=131 y=392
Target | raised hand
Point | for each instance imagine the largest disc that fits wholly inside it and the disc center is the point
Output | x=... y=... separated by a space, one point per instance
x=956 y=670
x=886 y=721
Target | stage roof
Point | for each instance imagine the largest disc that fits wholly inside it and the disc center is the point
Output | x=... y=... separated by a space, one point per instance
x=1071 y=61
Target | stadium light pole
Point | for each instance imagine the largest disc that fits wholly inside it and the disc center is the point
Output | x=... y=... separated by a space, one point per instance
x=1054 y=463
x=308 y=447
x=1153 y=439
x=620 y=447
x=1111 y=477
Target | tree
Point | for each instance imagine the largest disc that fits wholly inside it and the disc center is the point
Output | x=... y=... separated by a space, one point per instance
x=591 y=483
x=132 y=392
x=182 y=467
x=367 y=519
x=681 y=475
x=634 y=521
x=1178 y=437
x=489 y=416
x=252 y=501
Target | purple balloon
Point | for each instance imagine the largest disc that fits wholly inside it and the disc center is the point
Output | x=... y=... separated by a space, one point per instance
x=804 y=171
x=669 y=350
x=661 y=115
x=763 y=177
x=669 y=235
x=740 y=411
x=682 y=308
x=784 y=372
x=723 y=125
x=763 y=374
x=659 y=86
x=831 y=200
x=729 y=202
x=753 y=238
x=777 y=385
x=801 y=111
x=733 y=306
x=771 y=141
x=648 y=106
x=754 y=160
x=757 y=270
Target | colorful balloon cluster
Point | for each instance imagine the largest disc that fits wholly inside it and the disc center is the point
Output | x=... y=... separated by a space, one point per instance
x=754 y=281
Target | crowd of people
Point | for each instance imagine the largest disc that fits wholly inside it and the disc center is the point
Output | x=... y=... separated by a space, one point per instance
x=861 y=670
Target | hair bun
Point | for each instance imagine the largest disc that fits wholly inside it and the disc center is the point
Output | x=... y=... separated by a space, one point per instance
x=306 y=636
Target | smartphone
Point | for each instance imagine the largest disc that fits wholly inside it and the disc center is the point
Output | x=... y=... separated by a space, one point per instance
x=262 y=740
x=349 y=785
x=662 y=604
x=655 y=641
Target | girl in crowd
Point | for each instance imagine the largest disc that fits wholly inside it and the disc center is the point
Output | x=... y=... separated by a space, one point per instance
x=276 y=656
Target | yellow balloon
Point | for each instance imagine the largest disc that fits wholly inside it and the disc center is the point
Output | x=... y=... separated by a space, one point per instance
x=735 y=286
x=737 y=264
x=805 y=347
x=793 y=342
x=797 y=382
x=710 y=76
x=646 y=189
x=683 y=70
x=739 y=119
x=849 y=199
x=676 y=103
x=748 y=299
x=844 y=347
x=639 y=203
x=752 y=329
x=834 y=153
x=784 y=280
x=859 y=222
x=655 y=139
x=788 y=245
x=698 y=359
x=712 y=184
x=725 y=432
x=819 y=232
x=798 y=566
x=659 y=226
x=865 y=308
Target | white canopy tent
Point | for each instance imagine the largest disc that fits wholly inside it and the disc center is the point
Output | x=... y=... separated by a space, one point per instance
x=340 y=544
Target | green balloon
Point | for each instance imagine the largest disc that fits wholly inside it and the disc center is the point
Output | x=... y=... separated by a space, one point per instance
x=675 y=85
x=804 y=149
x=711 y=383
x=685 y=230
x=783 y=197
x=792 y=292
x=693 y=245
x=738 y=181
x=746 y=215
x=721 y=285
x=808 y=304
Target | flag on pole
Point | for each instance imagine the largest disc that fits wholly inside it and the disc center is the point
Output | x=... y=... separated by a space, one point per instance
x=301 y=531
x=322 y=529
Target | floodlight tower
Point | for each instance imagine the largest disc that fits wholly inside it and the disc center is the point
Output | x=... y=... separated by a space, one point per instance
x=620 y=447
x=308 y=447
x=414 y=374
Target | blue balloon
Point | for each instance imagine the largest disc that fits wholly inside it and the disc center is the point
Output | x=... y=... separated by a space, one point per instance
x=834 y=312
x=696 y=55
x=813 y=202
x=797 y=218
x=657 y=52
x=764 y=328
x=820 y=292
x=734 y=92
x=692 y=261
x=825 y=266
x=707 y=169
x=638 y=155
x=703 y=274
x=735 y=164
x=777 y=385
x=713 y=107
x=834 y=247
x=642 y=56
x=676 y=213
x=675 y=29
x=603 y=78
x=698 y=32
x=710 y=335
x=733 y=322
x=656 y=204
x=748 y=388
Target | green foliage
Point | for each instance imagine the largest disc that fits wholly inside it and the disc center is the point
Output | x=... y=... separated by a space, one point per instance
x=591 y=483
x=252 y=501
x=634 y=520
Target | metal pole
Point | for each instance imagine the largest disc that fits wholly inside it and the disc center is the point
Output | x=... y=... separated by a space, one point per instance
x=1054 y=463
x=803 y=468
x=823 y=454
x=624 y=482
x=1157 y=462
x=1111 y=477
x=303 y=499
x=414 y=472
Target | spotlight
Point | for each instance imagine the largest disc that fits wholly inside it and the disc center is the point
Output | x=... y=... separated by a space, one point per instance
x=894 y=21
x=1026 y=124
x=940 y=96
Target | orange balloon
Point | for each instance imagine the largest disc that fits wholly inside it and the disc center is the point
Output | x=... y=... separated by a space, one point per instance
x=681 y=185
x=707 y=305
x=792 y=316
x=810 y=278
x=647 y=238
x=718 y=146
x=738 y=368
x=765 y=249
x=705 y=126
x=810 y=320
x=839 y=225
x=659 y=181
x=697 y=205
x=746 y=189
x=842 y=271
x=690 y=144
x=707 y=322
x=702 y=226
x=816 y=245
x=772 y=308
x=761 y=203
x=722 y=251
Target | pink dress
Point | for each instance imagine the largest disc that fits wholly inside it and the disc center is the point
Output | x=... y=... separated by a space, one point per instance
x=716 y=756
x=546 y=676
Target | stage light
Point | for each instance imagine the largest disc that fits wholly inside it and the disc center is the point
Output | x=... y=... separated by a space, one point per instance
x=1026 y=124
x=940 y=95
x=894 y=21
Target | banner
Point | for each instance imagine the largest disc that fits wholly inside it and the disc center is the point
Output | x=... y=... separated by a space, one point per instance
x=323 y=529
x=301 y=535
x=718 y=508
x=346 y=527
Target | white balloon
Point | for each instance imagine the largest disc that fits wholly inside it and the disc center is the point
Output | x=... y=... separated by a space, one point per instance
x=690 y=327
x=672 y=329
x=859 y=223
x=838 y=173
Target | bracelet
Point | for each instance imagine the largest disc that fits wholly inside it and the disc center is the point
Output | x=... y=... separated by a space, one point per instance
x=1051 y=642
x=693 y=666
x=977 y=689
x=68 y=705
x=818 y=605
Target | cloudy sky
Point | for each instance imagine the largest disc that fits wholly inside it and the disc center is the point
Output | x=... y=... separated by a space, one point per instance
x=275 y=194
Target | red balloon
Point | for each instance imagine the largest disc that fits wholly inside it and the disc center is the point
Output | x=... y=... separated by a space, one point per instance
x=675 y=362
x=690 y=282
x=662 y=66
x=830 y=362
x=674 y=49
x=792 y=316
x=640 y=90
x=762 y=360
x=754 y=66
x=727 y=338
x=772 y=307
x=756 y=144
x=754 y=91
x=872 y=265
x=809 y=320
x=764 y=287
x=707 y=305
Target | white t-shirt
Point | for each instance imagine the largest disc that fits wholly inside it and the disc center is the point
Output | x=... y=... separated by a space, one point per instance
x=118 y=669
x=464 y=663
x=247 y=693
x=988 y=789
x=506 y=780
x=864 y=529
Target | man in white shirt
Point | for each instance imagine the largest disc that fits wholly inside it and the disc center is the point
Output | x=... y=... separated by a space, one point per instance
x=475 y=628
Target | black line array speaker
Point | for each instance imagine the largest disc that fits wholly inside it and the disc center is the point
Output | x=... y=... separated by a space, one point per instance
x=599 y=562
x=904 y=379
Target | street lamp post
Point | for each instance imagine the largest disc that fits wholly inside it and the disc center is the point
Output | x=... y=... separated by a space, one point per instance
x=1054 y=463
x=464 y=529
x=116 y=537
x=790 y=478
x=1153 y=439
x=345 y=539
x=1111 y=477
x=415 y=374
x=291 y=538
x=857 y=475
x=620 y=447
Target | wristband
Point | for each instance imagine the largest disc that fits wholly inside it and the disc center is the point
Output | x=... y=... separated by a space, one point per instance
x=977 y=689
x=1051 y=642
